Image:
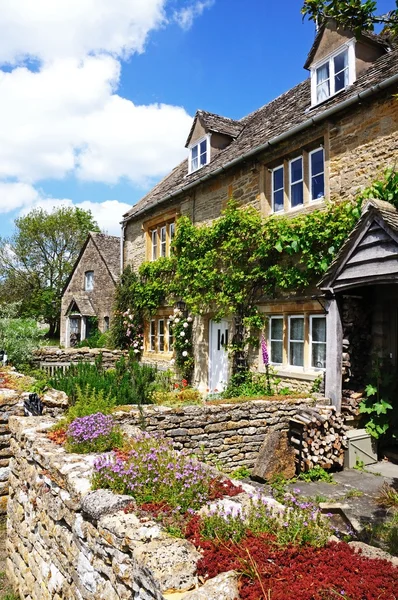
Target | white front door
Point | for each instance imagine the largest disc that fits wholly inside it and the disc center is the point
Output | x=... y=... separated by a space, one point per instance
x=218 y=363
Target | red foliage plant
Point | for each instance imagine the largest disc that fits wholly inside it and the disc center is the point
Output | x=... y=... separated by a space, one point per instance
x=223 y=487
x=58 y=436
x=295 y=573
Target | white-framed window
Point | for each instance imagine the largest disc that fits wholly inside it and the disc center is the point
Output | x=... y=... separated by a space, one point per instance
x=161 y=335
x=333 y=74
x=172 y=231
x=152 y=336
x=199 y=154
x=170 y=340
x=317 y=174
x=89 y=281
x=318 y=341
x=163 y=243
x=296 y=194
x=276 y=340
x=296 y=341
x=277 y=189
x=154 y=244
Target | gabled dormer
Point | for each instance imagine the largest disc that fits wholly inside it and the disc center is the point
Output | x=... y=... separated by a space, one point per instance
x=337 y=58
x=210 y=133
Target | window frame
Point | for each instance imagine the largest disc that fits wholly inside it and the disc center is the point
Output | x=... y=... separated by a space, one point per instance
x=289 y=341
x=311 y=175
x=152 y=335
x=273 y=190
x=88 y=288
x=271 y=339
x=161 y=337
x=348 y=47
x=156 y=246
x=302 y=180
x=162 y=242
x=205 y=138
x=311 y=341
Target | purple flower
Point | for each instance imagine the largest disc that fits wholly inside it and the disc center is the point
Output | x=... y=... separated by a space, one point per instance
x=85 y=429
x=264 y=351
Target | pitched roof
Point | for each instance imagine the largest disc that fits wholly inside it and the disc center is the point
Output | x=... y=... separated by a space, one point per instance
x=279 y=119
x=109 y=248
x=384 y=215
x=379 y=39
x=83 y=303
x=215 y=123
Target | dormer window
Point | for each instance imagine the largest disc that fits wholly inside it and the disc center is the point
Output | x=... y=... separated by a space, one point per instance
x=199 y=154
x=333 y=74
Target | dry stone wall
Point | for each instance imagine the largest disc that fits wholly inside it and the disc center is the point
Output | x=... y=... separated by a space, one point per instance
x=231 y=433
x=11 y=404
x=65 y=542
x=50 y=358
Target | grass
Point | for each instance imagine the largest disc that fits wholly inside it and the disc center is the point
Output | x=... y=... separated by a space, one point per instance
x=353 y=494
x=387 y=496
x=5 y=592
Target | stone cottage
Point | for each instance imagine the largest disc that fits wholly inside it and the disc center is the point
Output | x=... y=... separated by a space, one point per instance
x=321 y=141
x=88 y=295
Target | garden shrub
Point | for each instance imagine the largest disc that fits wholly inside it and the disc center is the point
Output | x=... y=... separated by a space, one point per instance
x=251 y=385
x=93 y=433
x=18 y=337
x=180 y=397
x=129 y=382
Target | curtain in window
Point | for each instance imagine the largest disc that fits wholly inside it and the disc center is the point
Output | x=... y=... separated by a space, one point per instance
x=322 y=83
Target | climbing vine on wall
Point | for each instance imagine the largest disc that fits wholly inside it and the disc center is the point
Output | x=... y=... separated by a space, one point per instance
x=226 y=268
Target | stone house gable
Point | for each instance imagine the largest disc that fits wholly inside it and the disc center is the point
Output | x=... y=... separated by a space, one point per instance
x=89 y=291
x=337 y=146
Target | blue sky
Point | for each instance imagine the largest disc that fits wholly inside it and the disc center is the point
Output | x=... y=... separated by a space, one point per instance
x=94 y=111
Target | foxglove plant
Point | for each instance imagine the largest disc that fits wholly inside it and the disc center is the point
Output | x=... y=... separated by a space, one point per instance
x=265 y=355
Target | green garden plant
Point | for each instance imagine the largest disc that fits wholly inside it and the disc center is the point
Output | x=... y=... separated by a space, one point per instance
x=18 y=337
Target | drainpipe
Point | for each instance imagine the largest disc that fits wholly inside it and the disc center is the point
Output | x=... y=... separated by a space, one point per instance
x=122 y=232
x=283 y=136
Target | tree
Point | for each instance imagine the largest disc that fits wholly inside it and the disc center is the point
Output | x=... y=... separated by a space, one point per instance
x=18 y=337
x=36 y=261
x=354 y=15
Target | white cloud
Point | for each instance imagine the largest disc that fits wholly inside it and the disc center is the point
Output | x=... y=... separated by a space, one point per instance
x=66 y=119
x=24 y=198
x=186 y=16
x=48 y=29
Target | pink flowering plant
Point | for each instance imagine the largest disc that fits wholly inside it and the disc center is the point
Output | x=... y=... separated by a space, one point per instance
x=151 y=471
x=134 y=332
x=93 y=433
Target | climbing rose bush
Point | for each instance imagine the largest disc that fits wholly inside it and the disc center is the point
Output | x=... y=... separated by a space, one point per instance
x=94 y=433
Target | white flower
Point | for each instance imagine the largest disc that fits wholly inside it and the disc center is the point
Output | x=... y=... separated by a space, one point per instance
x=185 y=324
x=176 y=311
x=171 y=317
x=141 y=347
x=182 y=334
x=189 y=319
x=185 y=353
x=176 y=320
x=136 y=351
x=135 y=344
x=172 y=361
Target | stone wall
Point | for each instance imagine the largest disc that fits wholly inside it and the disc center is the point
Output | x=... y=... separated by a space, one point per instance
x=50 y=357
x=65 y=542
x=231 y=433
x=11 y=404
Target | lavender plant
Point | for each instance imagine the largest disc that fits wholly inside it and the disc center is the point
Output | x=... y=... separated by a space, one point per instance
x=93 y=433
x=151 y=471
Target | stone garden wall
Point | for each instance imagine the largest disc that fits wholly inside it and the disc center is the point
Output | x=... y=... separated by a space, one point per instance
x=232 y=433
x=50 y=358
x=11 y=404
x=65 y=542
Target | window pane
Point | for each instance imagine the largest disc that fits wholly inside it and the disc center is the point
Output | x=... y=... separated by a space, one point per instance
x=154 y=244
x=341 y=80
x=297 y=328
x=322 y=73
x=163 y=241
x=277 y=352
x=297 y=194
x=278 y=201
x=323 y=91
x=161 y=335
x=278 y=178
x=172 y=230
x=276 y=329
x=297 y=354
x=319 y=329
x=317 y=162
x=194 y=152
x=318 y=187
x=296 y=170
x=203 y=147
x=340 y=61
x=89 y=281
x=194 y=164
x=319 y=356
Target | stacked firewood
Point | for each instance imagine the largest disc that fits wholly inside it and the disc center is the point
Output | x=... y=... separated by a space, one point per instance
x=318 y=437
x=350 y=402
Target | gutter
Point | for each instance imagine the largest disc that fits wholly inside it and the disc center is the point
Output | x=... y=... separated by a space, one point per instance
x=279 y=138
x=123 y=224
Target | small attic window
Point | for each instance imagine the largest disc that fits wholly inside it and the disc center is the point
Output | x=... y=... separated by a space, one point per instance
x=199 y=154
x=333 y=74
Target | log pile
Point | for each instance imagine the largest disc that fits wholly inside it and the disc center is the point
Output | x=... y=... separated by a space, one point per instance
x=318 y=437
x=350 y=402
